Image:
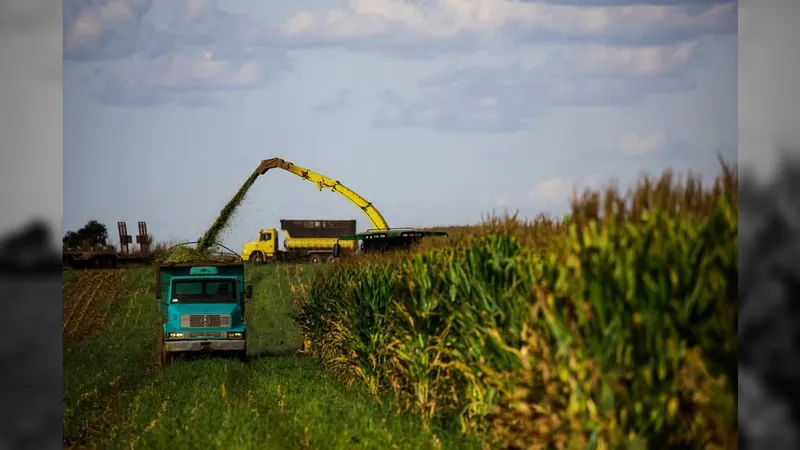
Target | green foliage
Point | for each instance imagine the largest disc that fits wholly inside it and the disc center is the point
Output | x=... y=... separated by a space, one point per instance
x=91 y=235
x=620 y=326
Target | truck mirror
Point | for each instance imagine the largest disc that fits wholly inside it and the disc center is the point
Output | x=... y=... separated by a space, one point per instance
x=337 y=250
x=248 y=291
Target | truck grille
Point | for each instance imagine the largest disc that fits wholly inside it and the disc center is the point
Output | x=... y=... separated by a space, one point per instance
x=208 y=334
x=205 y=320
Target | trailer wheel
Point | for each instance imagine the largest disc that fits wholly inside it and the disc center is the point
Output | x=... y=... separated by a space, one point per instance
x=331 y=259
x=315 y=259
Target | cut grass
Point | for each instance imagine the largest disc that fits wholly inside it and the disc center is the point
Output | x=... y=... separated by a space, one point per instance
x=116 y=396
x=221 y=223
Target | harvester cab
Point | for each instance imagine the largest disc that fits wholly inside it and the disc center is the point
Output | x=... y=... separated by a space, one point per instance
x=202 y=305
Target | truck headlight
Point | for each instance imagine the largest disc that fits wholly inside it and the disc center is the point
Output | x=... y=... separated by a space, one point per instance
x=234 y=335
x=175 y=335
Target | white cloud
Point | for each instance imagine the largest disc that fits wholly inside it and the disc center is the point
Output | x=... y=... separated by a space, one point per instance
x=646 y=61
x=554 y=189
x=103 y=28
x=189 y=79
x=508 y=98
x=560 y=189
x=484 y=99
x=193 y=10
x=97 y=29
x=183 y=71
x=398 y=23
x=636 y=144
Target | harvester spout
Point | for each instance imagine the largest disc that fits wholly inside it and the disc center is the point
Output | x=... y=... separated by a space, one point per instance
x=271 y=163
x=321 y=181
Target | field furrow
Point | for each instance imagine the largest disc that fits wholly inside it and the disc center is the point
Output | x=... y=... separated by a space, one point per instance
x=75 y=294
x=89 y=300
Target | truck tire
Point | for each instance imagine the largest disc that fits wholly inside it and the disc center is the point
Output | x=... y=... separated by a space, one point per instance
x=164 y=357
x=331 y=259
x=315 y=259
x=257 y=258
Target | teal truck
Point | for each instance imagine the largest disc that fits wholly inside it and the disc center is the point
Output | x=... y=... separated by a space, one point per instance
x=202 y=305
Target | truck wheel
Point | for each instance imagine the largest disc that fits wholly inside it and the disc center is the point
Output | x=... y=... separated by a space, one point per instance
x=331 y=259
x=257 y=258
x=315 y=259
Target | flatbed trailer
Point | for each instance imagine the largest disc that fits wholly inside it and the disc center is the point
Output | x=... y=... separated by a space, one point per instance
x=104 y=260
x=109 y=257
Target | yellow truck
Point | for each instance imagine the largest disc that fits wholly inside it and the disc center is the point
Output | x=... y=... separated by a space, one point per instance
x=304 y=240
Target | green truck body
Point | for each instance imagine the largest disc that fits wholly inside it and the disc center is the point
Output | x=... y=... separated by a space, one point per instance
x=202 y=307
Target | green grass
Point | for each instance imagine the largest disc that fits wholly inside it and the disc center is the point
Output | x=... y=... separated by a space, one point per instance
x=67 y=275
x=116 y=396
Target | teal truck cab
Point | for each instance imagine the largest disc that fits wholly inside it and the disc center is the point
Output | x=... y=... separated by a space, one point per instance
x=202 y=305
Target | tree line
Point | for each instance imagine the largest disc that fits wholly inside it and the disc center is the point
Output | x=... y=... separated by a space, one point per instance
x=92 y=235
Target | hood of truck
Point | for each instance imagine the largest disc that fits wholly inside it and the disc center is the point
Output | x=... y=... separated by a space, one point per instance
x=177 y=310
x=247 y=249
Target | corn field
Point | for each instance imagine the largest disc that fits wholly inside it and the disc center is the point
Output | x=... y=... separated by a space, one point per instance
x=614 y=328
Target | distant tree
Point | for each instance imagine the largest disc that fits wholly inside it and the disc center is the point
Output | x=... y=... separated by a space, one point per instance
x=93 y=234
x=71 y=239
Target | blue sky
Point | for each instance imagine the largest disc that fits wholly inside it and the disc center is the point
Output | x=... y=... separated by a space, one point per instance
x=437 y=111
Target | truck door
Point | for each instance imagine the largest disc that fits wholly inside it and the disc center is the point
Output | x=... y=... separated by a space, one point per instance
x=274 y=242
x=268 y=242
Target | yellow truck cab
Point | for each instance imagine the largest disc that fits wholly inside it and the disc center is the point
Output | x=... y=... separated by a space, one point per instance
x=304 y=240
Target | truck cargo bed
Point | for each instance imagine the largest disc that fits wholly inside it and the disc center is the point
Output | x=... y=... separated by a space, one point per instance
x=318 y=228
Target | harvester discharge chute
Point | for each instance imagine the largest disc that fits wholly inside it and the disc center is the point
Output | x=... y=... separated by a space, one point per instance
x=380 y=237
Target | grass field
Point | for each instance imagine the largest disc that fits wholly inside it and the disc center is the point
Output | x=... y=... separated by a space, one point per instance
x=116 y=396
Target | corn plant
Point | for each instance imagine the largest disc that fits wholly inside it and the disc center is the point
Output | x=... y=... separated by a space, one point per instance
x=615 y=327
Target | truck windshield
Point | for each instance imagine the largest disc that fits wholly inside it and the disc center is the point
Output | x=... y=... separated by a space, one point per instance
x=204 y=291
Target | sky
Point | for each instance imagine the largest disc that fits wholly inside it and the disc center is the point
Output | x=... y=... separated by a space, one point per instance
x=439 y=112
